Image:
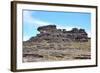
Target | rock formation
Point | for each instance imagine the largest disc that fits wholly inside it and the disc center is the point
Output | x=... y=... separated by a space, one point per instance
x=53 y=44
x=51 y=34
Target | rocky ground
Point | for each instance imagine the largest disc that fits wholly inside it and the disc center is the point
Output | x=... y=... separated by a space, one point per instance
x=44 y=51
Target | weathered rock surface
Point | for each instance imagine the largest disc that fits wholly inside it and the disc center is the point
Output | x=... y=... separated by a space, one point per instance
x=54 y=44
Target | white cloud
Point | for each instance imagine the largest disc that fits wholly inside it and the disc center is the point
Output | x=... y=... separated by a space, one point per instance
x=89 y=33
x=32 y=20
x=25 y=38
x=67 y=27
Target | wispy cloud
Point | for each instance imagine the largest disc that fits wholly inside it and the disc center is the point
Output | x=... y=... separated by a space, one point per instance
x=89 y=33
x=66 y=27
x=26 y=37
x=33 y=20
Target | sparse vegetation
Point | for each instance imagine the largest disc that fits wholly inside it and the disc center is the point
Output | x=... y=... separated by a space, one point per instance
x=56 y=51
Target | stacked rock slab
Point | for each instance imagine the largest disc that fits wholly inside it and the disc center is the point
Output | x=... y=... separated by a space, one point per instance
x=50 y=33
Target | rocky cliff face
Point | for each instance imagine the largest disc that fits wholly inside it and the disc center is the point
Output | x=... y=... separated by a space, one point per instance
x=51 y=34
x=57 y=44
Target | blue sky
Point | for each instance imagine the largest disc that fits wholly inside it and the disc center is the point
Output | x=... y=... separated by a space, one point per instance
x=63 y=20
